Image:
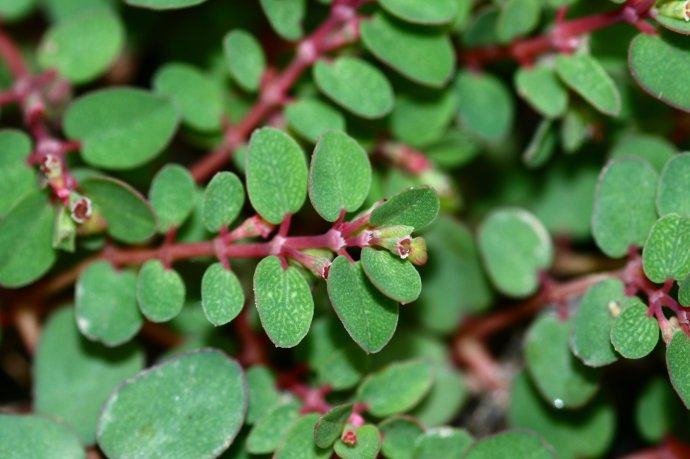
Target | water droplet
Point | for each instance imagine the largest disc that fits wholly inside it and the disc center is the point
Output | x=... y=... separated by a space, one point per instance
x=558 y=403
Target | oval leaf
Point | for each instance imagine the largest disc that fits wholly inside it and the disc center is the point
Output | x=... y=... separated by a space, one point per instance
x=585 y=75
x=267 y=433
x=396 y=388
x=284 y=302
x=399 y=436
x=666 y=253
x=678 y=364
x=331 y=425
x=394 y=277
x=263 y=394
x=192 y=405
x=367 y=447
x=417 y=206
x=160 y=291
x=442 y=443
x=285 y=16
x=298 y=443
x=310 y=118
x=511 y=444
x=245 y=59
x=475 y=93
x=37 y=437
x=17 y=178
x=223 y=201
x=674 y=187
x=634 y=333
x=172 y=196
x=222 y=296
x=542 y=90
x=437 y=12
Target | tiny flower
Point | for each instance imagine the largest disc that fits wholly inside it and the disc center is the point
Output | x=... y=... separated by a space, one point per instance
x=81 y=209
x=349 y=438
x=676 y=10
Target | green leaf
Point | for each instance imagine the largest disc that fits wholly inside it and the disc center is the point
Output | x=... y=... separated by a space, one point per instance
x=674 y=24
x=511 y=444
x=421 y=54
x=648 y=54
x=130 y=218
x=285 y=16
x=284 y=302
x=445 y=399
x=394 y=277
x=63 y=46
x=164 y=4
x=263 y=395
x=437 y=12
x=591 y=338
x=172 y=196
x=585 y=75
x=657 y=410
x=222 y=296
x=198 y=99
x=298 y=443
x=17 y=178
x=120 y=128
x=666 y=253
x=562 y=379
x=442 y=443
x=634 y=333
x=160 y=291
x=73 y=377
x=624 y=206
x=192 y=405
x=542 y=90
x=61 y=10
x=475 y=93
x=26 y=241
x=517 y=18
x=684 y=291
x=106 y=304
x=276 y=174
x=678 y=364
x=400 y=434
x=515 y=247
x=541 y=146
x=330 y=426
x=245 y=59
x=455 y=148
x=339 y=175
x=396 y=388
x=418 y=121
x=269 y=430
x=417 y=206
x=223 y=201
x=355 y=85
x=310 y=118
x=12 y=10
x=367 y=447
x=37 y=437
x=575 y=129
x=564 y=429
x=655 y=150
x=481 y=30
x=369 y=317
x=674 y=187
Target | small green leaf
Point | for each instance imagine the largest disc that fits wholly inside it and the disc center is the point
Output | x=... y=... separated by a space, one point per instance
x=674 y=24
x=120 y=128
x=678 y=364
x=394 y=277
x=26 y=241
x=12 y=10
x=476 y=93
x=245 y=59
x=416 y=206
x=369 y=317
x=355 y=85
x=310 y=118
x=223 y=201
x=285 y=16
x=442 y=443
x=666 y=253
x=17 y=178
x=400 y=434
x=515 y=247
x=657 y=410
x=481 y=29
x=298 y=443
x=37 y=437
x=73 y=376
x=164 y=4
x=674 y=187
x=419 y=121
x=634 y=334
x=455 y=148
x=542 y=90
x=437 y=12
x=624 y=206
x=63 y=46
x=106 y=304
x=421 y=54
x=561 y=378
x=367 y=447
x=130 y=218
x=655 y=150
x=284 y=302
x=197 y=97
x=511 y=444
x=331 y=425
x=648 y=54
x=396 y=388
x=445 y=399
x=222 y=296
x=263 y=395
x=591 y=338
x=339 y=176
x=684 y=291
x=585 y=75
x=270 y=429
x=276 y=174
x=575 y=129
x=517 y=18
x=160 y=291
x=541 y=146
x=172 y=196
x=189 y=406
